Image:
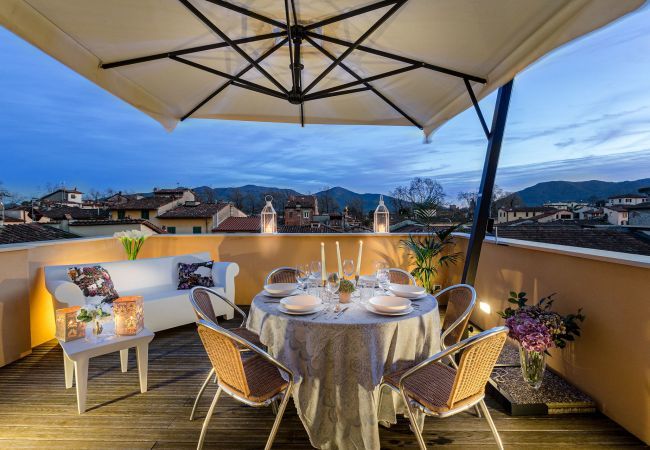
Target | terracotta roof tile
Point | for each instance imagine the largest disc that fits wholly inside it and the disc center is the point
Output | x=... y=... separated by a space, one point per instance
x=144 y=203
x=192 y=211
x=31 y=232
x=88 y=223
x=60 y=213
x=249 y=224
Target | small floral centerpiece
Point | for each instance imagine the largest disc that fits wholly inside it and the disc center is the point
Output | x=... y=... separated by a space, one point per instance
x=132 y=241
x=536 y=328
x=346 y=288
x=95 y=314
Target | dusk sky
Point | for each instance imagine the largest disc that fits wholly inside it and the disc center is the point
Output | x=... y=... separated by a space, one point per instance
x=581 y=113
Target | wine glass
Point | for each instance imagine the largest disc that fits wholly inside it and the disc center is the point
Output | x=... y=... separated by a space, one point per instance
x=333 y=284
x=383 y=279
x=302 y=275
x=348 y=268
x=315 y=268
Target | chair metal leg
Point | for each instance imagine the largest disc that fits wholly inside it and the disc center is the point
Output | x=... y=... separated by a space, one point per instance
x=206 y=422
x=414 y=423
x=486 y=413
x=198 y=396
x=278 y=419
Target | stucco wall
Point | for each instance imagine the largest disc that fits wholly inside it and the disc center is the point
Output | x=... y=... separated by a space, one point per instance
x=611 y=360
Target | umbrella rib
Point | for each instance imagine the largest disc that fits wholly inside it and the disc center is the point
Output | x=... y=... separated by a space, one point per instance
x=249 y=13
x=337 y=93
x=368 y=79
x=481 y=119
x=229 y=82
x=395 y=57
x=286 y=12
x=356 y=44
x=200 y=48
x=232 y=78
x=349 y=14
x=372 y=88
x=232 y=44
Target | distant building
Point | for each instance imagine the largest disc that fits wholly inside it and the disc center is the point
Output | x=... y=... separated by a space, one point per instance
x=88 y=228
x=196 y=218
x=616 y=215
x=524 y=212
x=639 y=214
x=300 y=210
x=626 y=199
x=63 y=196
x=567 y=206
x=149 y=208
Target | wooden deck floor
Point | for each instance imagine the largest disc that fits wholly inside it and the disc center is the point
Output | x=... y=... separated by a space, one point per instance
x=37 y=411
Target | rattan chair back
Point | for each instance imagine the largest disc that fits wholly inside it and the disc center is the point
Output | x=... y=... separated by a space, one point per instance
x=476 y=364
x=400 y=276
x=281 y=275
x=461 y=299
x=225 y=358
x=203 y=305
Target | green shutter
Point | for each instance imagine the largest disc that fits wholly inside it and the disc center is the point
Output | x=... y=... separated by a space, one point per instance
x=121 y=214
x=171 y=230
x=144 y=214
x=196 y=230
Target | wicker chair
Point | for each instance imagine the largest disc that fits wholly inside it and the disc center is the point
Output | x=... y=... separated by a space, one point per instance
x=440 y=390
x=461 y=299
x=281 y=275
x=202 y=304
x=255 y=381
x=400 y=276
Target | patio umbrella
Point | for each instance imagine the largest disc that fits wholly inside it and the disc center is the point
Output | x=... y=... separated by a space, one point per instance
x=392 y=62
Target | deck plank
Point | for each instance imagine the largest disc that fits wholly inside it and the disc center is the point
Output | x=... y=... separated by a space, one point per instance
x=36 y=411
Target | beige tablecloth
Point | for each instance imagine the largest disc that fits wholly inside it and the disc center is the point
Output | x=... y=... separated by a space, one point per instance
x=341 y=362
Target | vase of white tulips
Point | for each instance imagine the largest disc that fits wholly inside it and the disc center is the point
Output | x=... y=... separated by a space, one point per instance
x=132 y=241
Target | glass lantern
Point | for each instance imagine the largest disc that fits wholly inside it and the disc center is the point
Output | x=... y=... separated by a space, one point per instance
x=382 y=217
x=68 y=328
x=129 y=315
x=269 y=218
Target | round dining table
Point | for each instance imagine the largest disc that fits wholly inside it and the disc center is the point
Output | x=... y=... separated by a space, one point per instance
x=341 y=358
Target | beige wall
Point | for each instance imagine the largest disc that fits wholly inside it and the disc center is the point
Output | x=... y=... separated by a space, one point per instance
x=611 y=360
x=184 y=226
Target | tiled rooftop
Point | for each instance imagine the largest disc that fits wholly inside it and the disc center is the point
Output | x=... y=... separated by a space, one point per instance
x=90 y=223
x=201 y=210
x=249 y=224
x=76 y=213
x=613 y=239
x=31 y=232
x=144 y=203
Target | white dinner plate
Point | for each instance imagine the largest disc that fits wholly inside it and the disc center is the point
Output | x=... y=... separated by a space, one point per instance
x=280 y=289
x=407 y=290
x=282 y=309
x=408 y=310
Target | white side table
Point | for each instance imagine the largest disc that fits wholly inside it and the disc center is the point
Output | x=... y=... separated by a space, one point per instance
x=77 y=353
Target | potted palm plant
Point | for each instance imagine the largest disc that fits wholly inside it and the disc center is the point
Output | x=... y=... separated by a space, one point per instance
x=429 y=253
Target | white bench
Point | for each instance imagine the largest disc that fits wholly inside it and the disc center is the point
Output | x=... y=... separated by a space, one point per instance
x=156 y=280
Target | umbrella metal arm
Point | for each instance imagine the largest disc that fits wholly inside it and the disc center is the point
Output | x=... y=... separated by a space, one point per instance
x=293 y=33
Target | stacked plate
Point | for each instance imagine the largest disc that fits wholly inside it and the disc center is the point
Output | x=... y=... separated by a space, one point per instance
x=387 y=305
x=407 y=291
x=280 y=289
x=300 y=304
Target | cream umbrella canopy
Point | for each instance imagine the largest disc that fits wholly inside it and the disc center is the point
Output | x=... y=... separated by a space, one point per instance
x=392 y=62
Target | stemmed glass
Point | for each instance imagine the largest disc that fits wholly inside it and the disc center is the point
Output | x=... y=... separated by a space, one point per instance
x=302 y=275
x=315 y=268
x=383 y=279
x=333 y=284
x=348 y=268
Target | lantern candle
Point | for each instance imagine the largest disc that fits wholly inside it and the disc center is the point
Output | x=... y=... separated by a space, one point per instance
x=68 y=328
x=129 y=315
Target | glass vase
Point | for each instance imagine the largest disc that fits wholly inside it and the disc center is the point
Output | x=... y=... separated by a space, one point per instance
x=533 y=365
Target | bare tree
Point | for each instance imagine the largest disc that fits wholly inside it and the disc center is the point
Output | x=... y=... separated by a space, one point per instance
x=237 y=198
x=500 y=198
x=422 y=194
x=327 y=203
x=355 y=208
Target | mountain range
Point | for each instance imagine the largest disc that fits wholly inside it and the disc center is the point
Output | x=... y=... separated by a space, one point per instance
x=550 y=191
x=560 y=191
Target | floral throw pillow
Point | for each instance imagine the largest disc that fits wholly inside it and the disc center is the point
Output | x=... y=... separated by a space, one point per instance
x=195 y=274
x=94 y=281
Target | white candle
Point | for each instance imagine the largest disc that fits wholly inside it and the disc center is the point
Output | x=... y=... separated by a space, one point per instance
x=338 y=257
x=359 y=258
x=322 y=261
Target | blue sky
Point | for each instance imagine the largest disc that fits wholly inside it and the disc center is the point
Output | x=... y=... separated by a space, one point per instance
x=581 y=113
